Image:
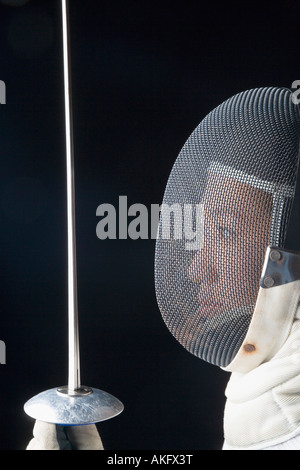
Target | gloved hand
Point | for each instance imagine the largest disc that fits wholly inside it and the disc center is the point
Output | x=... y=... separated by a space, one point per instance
x=48 y=436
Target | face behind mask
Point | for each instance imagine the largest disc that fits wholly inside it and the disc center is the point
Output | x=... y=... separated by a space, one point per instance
x=227 y=201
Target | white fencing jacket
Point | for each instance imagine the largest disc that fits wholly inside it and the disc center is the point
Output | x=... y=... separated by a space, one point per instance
x=262 y=410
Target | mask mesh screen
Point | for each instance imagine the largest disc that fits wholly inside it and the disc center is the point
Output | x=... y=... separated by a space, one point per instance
x=228 y=197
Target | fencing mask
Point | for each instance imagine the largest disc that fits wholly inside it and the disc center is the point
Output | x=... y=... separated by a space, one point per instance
x=223 y=224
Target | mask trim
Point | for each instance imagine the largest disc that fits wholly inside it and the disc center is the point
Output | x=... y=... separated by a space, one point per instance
x=280 y=267
x=274 y=312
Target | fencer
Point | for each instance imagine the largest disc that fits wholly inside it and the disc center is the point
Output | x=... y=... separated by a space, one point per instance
x=235 y=301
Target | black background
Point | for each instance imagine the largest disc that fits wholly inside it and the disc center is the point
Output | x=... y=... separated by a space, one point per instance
x=144 y=75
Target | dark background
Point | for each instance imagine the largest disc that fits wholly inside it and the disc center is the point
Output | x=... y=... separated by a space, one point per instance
x=144 y=75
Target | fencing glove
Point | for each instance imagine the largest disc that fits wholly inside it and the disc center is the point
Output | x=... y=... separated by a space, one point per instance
x=48 y=436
